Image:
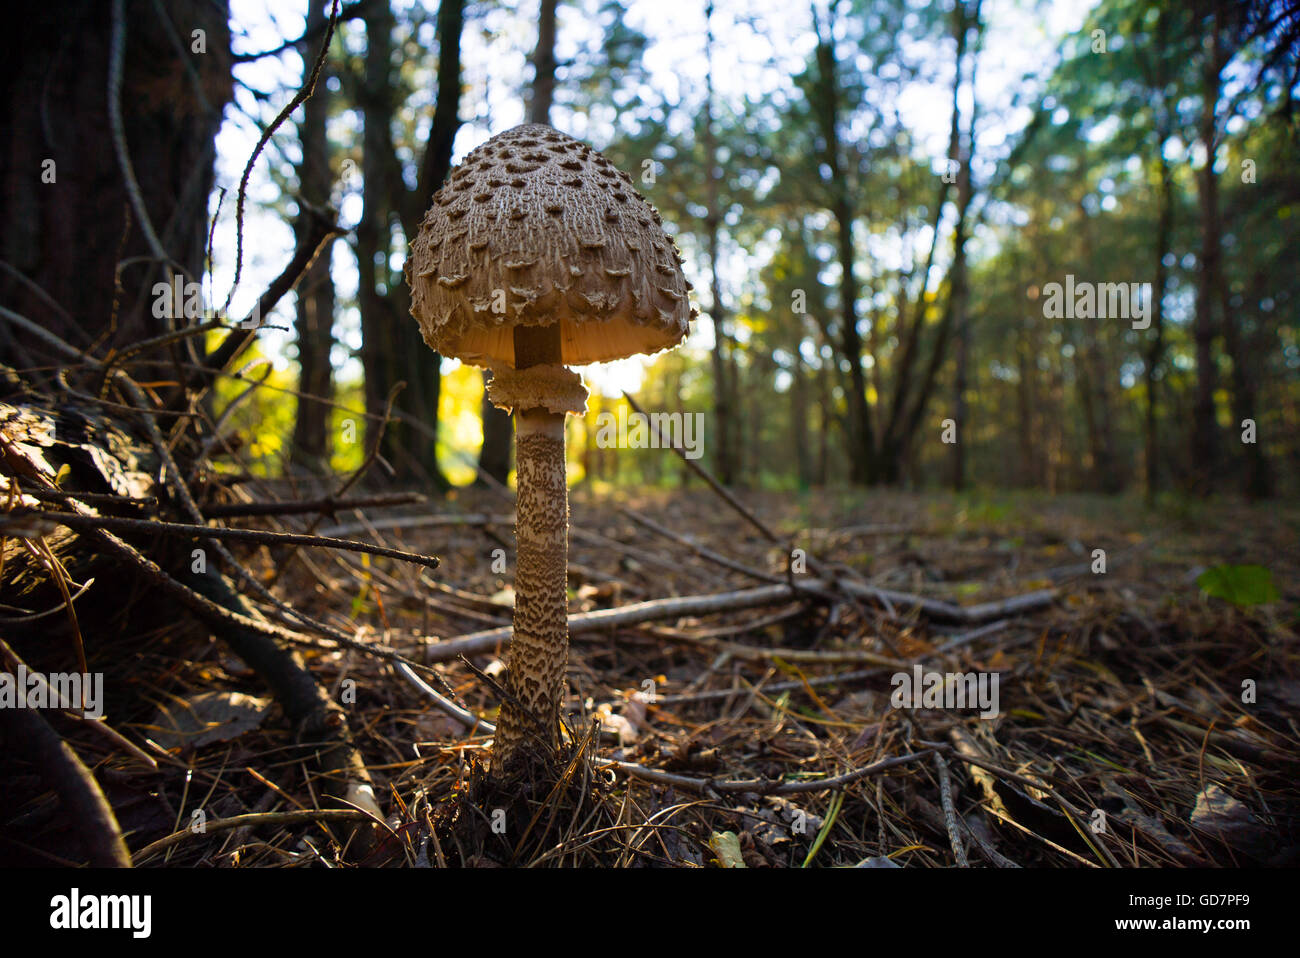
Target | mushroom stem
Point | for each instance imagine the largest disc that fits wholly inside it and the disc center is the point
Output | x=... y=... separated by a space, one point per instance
x=528 y=726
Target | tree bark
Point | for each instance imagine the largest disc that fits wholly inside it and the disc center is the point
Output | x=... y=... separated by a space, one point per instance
x=543 y=92
x=314 y=322
x=905 y=409
x=724 y=397
x=955 y=306
x=861 y=442
x=64 y=207
x=1155 y=351
x=1204 y=426
x=378 y=348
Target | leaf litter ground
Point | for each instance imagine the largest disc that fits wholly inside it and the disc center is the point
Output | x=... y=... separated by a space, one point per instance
x=1140 y=721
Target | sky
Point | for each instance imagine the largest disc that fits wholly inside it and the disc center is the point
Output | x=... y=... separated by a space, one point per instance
x=760 y=49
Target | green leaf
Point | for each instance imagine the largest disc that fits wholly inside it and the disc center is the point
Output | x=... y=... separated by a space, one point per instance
x=1242 y=585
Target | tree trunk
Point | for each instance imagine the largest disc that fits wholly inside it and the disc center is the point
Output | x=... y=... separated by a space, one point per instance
x=1155 y=351
x=378 y=346
x=724 y=396
x=423 y=372
x=1204 y=426
x=955 y=307
x=1156 y=73
x=543 y=92
x=309 y=448
x=960 y=409
x=825 y=423
x=800 y=420
x=1027 y=473
x=906 y=410
x=392 y=349
x=64 y=206
x=1257 y=481
x=860 y=441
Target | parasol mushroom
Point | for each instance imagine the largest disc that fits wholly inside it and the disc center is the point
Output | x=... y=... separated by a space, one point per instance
x=537 y=254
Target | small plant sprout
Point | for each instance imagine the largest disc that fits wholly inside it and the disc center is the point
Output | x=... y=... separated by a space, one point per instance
x=588 y=276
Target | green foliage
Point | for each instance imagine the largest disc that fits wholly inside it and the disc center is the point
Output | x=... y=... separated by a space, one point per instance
x=1079 y=188
x=1242 y=585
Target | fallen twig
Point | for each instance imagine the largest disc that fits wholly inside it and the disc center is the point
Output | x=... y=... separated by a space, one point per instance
x=263 y=537
x=326 y=506
x=633 y=614
x=253 y=819
x=950 y=819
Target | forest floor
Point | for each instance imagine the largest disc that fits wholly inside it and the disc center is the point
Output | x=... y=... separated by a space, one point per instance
x=1136 y=719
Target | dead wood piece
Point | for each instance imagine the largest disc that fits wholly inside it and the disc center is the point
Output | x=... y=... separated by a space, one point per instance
x=468 y=721
x=658 y=609
x=947 y=612
x=87 y=811
x=633 y=614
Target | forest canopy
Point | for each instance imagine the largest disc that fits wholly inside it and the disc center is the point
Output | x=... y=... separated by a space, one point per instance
x=895 y=216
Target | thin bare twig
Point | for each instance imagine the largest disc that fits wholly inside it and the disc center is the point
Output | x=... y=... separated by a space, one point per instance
x=949 y=812
x=306 y=90
x=261 y=536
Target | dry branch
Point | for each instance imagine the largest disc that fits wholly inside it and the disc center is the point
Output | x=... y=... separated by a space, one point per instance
x=659 y=609
x=85 y=807
x=634 y=614
x=82 y=522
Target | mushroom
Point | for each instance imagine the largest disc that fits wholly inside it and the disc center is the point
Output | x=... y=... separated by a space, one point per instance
x=536 y=254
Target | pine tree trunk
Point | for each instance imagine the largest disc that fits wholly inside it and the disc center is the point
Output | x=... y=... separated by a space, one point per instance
x=63 y=200
x=314 y=322
x=1205 y=440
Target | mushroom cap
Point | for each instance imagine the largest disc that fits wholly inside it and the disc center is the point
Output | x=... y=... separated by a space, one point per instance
x=535 y=228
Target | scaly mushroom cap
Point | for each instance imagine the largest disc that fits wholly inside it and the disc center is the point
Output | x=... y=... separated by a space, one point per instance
x=536 y=228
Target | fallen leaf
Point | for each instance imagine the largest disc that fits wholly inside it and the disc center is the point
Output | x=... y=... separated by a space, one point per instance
x=726 y=845
x=208 y=717
x=1218 y=814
